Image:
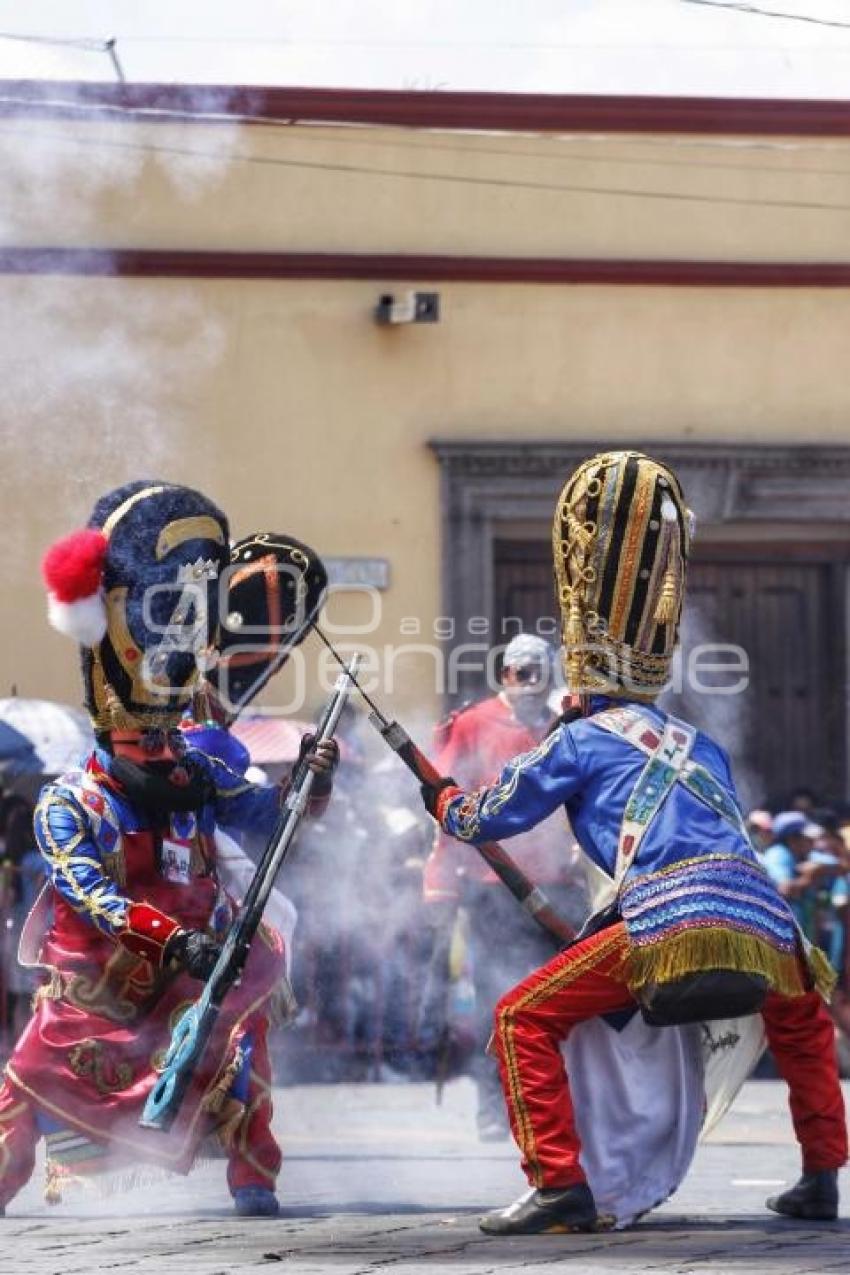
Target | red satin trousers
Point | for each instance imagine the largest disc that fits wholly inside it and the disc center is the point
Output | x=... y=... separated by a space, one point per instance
x=586 y=980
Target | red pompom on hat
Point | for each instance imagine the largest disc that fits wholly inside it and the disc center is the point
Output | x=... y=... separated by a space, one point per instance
x=73 y=572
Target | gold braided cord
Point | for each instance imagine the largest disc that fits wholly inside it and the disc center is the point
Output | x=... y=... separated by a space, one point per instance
x=572 y=544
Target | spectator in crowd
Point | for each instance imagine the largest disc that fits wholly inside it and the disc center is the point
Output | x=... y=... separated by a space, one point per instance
x=843 y=813
x=506 y=945
x=790 y=864
x=827 y=923
x=831 y=842
x=760 y=829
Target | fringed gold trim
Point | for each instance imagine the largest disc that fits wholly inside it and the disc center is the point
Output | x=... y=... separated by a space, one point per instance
x=821 y=971
x=57 y=1177
x=49 y=991
x=715 y=948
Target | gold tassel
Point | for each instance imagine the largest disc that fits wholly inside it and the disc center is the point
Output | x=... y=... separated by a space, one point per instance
x=58 y=1176
x=230 y=1117
x=574 y=632
x=666 y=607
x=53 y=1183
x=201 y=708
x=49 y=991
x=215 y=1099
x=669 y=599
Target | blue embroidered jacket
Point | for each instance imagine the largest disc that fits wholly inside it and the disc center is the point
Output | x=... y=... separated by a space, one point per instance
x=78 y=834
x=694 y=870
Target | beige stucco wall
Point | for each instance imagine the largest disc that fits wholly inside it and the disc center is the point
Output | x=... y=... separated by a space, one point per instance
x=288 y=404
x=349 y=189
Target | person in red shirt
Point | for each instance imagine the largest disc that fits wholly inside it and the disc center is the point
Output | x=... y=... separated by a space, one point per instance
x=506 y=944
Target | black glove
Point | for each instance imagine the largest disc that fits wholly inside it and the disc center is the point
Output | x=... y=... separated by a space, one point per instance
x=323 y=764
x=193 y=951
x=431 y=793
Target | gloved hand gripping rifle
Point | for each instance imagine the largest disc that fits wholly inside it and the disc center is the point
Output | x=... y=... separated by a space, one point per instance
x=190 y=1036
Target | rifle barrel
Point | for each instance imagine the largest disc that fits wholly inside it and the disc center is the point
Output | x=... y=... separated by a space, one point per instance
x=530 y=896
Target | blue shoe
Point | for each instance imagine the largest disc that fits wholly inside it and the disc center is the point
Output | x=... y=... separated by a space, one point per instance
x=255 y=1201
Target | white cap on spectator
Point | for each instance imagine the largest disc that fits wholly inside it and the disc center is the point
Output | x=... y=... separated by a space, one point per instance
x=789 y=823
x=526 y=648
x=813 y=830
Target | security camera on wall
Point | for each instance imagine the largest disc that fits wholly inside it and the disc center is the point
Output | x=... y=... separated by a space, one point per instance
x=408 y=307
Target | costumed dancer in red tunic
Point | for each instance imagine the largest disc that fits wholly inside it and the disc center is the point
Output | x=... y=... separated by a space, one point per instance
x=134 y=912
x=474 y=743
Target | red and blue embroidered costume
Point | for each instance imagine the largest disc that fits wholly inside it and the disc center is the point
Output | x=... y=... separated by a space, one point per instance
x=120 y=885
x=693 y=897
x=135 y=908
x=652 y=804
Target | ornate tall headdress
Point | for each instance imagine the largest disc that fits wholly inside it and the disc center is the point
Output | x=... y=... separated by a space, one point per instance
x=620 y=540
x=138 y=589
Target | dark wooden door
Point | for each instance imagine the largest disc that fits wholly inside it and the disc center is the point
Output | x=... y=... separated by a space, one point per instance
x=524 y=590
x=787 y=727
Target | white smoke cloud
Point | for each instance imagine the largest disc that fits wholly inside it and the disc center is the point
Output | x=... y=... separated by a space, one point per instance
x=100 y=374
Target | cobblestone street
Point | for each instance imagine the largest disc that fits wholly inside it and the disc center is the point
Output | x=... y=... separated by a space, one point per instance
x=377 y=1177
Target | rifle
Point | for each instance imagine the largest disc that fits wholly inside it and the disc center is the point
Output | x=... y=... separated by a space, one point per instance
x=192 y=1032
x=527 y=894
x=433 y=1017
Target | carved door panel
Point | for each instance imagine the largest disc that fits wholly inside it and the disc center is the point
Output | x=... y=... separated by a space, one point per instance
x=787 y=728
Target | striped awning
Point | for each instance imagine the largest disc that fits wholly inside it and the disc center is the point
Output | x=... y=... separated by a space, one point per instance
x=270 y=740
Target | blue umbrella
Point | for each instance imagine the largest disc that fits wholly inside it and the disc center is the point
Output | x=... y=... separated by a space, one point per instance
x=58 y=735
x=17 y=755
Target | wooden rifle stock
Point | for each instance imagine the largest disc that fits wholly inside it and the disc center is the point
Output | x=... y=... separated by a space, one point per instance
x=532 y=898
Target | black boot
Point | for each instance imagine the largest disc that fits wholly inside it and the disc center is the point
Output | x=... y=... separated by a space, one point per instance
x=554 y=1211
x=815 y=1197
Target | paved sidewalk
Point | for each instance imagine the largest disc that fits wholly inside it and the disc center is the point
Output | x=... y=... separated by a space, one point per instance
x=377 y=1177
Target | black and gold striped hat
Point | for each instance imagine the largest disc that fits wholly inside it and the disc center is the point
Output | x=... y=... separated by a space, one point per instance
x=620 y=539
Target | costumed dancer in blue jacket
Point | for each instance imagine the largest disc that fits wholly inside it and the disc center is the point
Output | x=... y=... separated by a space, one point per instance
x=696 y=930
x=135 y=910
